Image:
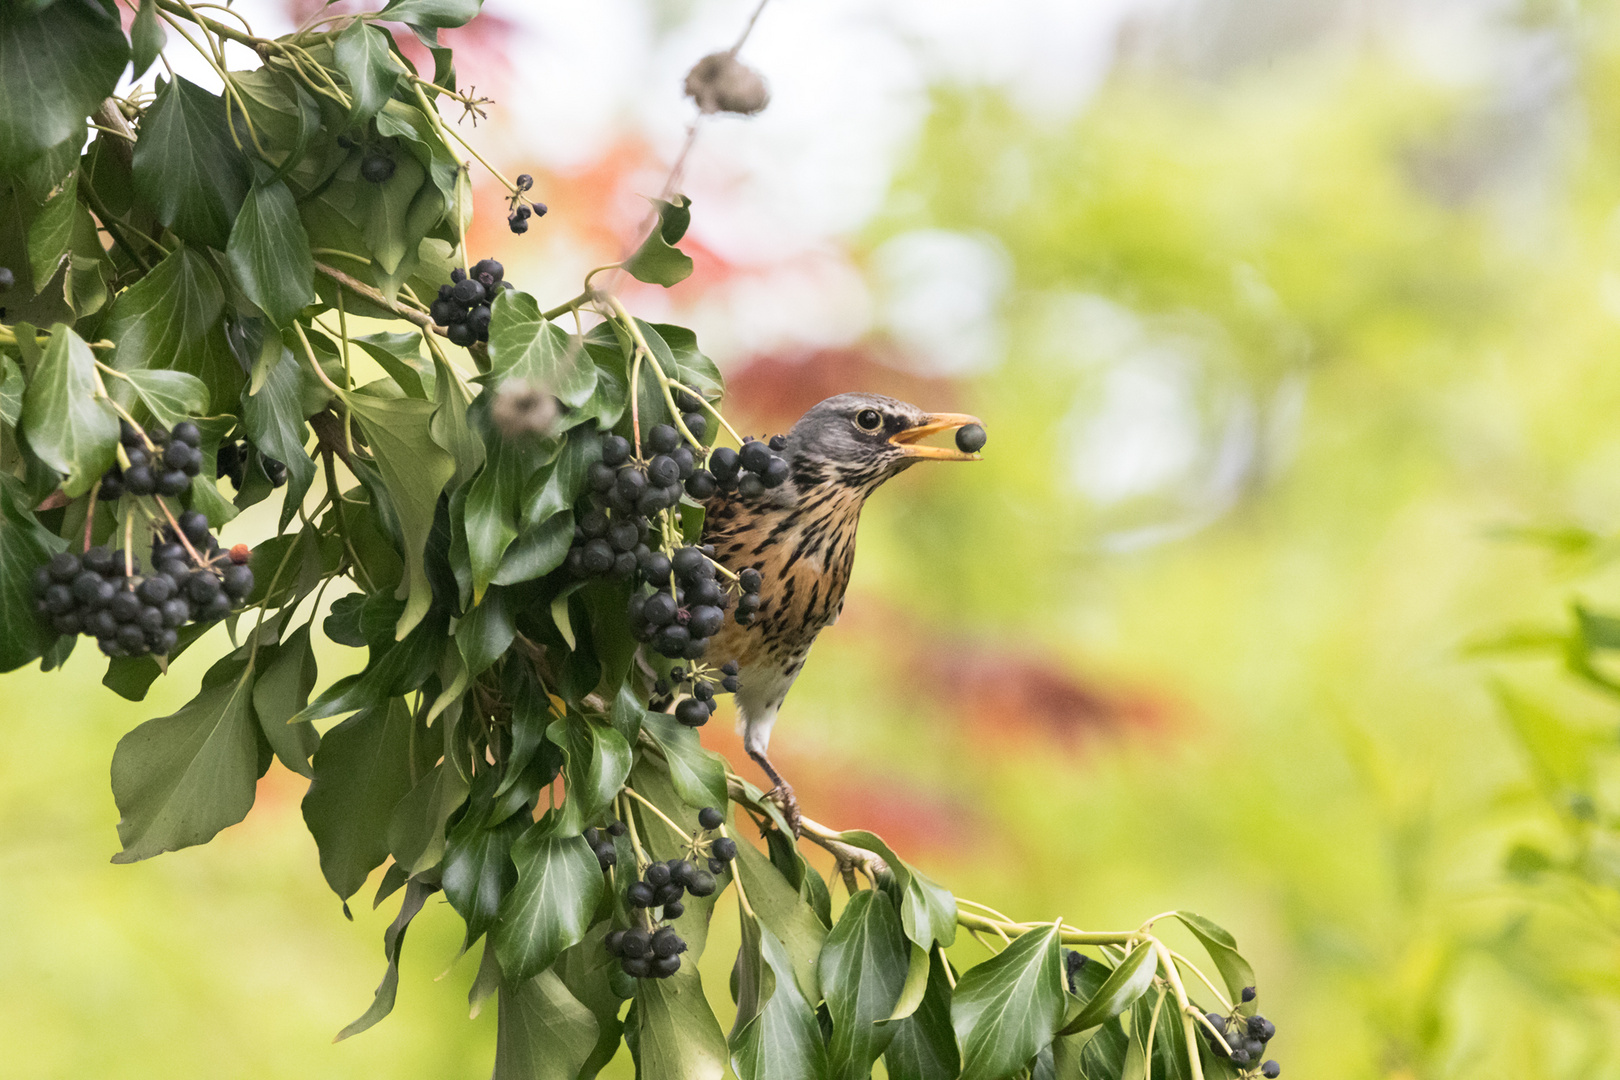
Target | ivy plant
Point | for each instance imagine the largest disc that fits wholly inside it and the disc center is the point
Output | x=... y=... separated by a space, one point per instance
x=187 y=273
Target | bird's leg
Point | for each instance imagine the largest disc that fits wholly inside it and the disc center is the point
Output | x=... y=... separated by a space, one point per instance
x=782 y=794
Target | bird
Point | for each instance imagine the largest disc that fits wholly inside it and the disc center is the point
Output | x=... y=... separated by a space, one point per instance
x=800 y=536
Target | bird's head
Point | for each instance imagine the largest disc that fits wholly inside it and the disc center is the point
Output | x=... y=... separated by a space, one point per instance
x=863 y=439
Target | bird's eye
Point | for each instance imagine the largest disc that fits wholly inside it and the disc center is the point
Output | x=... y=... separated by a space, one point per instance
x=868 y=420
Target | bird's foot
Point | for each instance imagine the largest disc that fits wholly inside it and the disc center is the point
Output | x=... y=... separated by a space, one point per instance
x=782 y=795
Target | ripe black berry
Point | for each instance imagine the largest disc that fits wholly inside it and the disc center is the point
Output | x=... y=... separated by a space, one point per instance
x=725 y=849
x=639 y=894
x=692 y=712
x=636 y=942
x=663 y=439
x=700 y=882
x=657 y=875
x=710 y=818
x=1271 y=1070
x=970 y=439
x=674 y=910
x=1248 y=994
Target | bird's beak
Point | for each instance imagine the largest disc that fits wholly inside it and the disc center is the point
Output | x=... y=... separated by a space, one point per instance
x=909 y=439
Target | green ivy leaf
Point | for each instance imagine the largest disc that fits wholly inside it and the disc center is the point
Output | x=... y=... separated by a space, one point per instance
x=587 y=970
x=269 y=253
x=25 y=545
x=287 y=676
x=598 y=761
x=66 y=427
x=417 y=892
x=1103 y=1057
x=430 y=13
x=657 y=261
x=171 y=318
x=416 y=831
x=698 y=775
x=180 y=779
x=51 y=234
x=1007 y=1009
x=927 y=911
x=11 y=390
x=274 y=420
x=56 y=65
x=543 y=1033
x=522 y=345
x=1222 y=948
x=361 y=54
x=677 y=1035
x=362 y=769
x=186 y=165
x=924 y=1045
x=1127 y=982
x=414 y=470
x=696 y=370
x=780 y=909
x=559 y=886
x=401 y=356
x=170 y=396
x=776 y=1036
x=485 y=633
x=863 y=968
x=147 y=38
x=478 y=869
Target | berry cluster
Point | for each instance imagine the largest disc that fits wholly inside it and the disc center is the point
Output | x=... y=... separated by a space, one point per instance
x=700 y=685
x=522 y=208
x=752 y=469
x=232 y=462
x=1246 y=1036
x=601 y=841
x=463 y=305
x=98 y=594
x=154 y=462
x=652 y=951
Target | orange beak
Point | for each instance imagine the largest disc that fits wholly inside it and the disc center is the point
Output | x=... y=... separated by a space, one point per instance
x=909 y=439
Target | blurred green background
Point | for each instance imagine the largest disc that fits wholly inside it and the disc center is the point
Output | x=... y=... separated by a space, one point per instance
x=1295 y=330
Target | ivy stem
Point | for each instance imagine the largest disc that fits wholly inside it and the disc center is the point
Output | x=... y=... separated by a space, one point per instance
x=946 y=962
x=1220 y=997
x=983 y=907
x=1184 y=1006
x=711 y=410
x=742 y=894
x=196 y=557
x=1153 y=1027
x=309 y=351
x=438 y=125
x=129 y=546
x=676 y=829
x=573 y=305
x=1213 y=1030
x=361 y=289
x=109 y=223
x=336 y=495
x=90 y=512
x=658 y=370
x=643 y=857
x=348 y=376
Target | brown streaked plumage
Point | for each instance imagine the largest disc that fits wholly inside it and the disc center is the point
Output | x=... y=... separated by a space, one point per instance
x=801 y=538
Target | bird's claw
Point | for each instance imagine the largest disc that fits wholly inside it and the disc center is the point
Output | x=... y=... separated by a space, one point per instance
x=782 y=795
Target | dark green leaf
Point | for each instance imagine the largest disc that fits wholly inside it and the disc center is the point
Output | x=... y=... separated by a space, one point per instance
x=414 y=469
x=780 y=910
x=863 y=967
x=287 y=675
x=401 y=356
x=927 y=911
x=416 y=831
x=587 y=970
x=544 y=1032
x=430 y=13
x=416 y=893
x=924 y=1045
x=1103 y=1057
x=274 y=419
x=171 y=319
x=24 y=546
x=362 y=769
x=186 y=165
x=147 y=37
x=180 y=779
x=1007 y=1009
x=559 y=886
x=269 y=253
x=776 y=1036
x=657 y=261
x=1129 y=981
x=56 y=66
x=697 y=774
x=522 y=345
x=65 y=425
x=677 y=1035
x=361 y=54
x=394 y=668
x=478 y=868
x=51 y=234
x=170 y=396
x=598 y=763
x=1222 y=948
x=485 y=633
x=451 y=428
